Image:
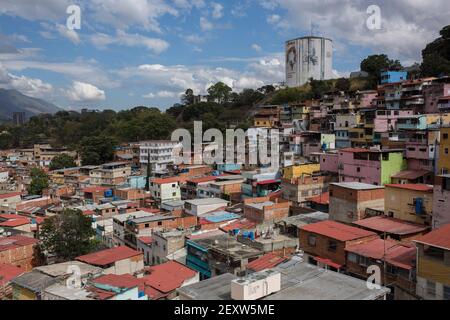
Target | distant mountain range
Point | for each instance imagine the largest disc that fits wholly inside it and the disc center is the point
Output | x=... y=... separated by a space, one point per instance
x=13 y=101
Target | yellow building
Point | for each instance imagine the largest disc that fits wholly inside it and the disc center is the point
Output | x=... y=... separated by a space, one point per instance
x=409 y=202
x=298 y=171
x=444 y=151
x=433 y=269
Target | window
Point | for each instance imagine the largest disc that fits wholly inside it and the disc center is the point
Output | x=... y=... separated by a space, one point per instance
x=364 y=261
x=445 y=136
x=332 y=246
x=431 y=288
x=159 y=223
x=446 y=293
x=352 y=257
x=446 y=150
x=358 y=169
x=312 y=240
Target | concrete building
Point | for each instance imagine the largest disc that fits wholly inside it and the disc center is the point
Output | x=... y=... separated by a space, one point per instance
x=118 y=260
x=166 y=243
x=299 y=281
x=110 y=174
x=166 y=189
x=393 y=76
x=17 y=251
x=119 y=223
x=444 y=152
x=369 y=166
x=441 y=201
x=308 y=57
x=161 y=154
x=324 y=242
x=396 y=259
x=410 y=202
x=263 y=210
x=433 y=268
x=198 y=207
x=299 y=190
x=349 y=200
x=218 y=254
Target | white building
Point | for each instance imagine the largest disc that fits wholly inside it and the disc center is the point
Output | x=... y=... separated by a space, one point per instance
x=198 y=207
x=308 y=57
x=165 y=189
x=161 y=153
x=119 y=225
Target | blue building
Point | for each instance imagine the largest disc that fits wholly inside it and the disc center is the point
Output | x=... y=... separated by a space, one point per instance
x=393 y=76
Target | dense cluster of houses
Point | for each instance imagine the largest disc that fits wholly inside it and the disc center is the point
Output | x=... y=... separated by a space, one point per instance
x=364 y=184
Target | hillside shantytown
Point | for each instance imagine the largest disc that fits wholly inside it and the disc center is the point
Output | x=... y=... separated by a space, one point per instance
x=358 y=208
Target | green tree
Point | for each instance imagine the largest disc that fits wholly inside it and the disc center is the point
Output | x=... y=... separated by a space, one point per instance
x=375 y=64
x=62 y=161
x=96 y=150
x=39 y=182
x=188 y=97
x=319 y=88
x=436 y=56
x=68 y=235
x=219 y=91
x=343 y=84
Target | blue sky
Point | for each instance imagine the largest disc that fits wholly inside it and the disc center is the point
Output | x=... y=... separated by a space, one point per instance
x=146 y=52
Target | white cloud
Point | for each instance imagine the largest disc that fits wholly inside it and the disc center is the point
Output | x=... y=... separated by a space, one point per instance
x=407 y=25
x=28 y=86
x=217 y=12
x=195 y=39
x=123 y=14
x=122 y=38
x=205 y=24
x=162 y=94
x=177 y=78
x=81 y=91
x=256 y=47
x=65 y=32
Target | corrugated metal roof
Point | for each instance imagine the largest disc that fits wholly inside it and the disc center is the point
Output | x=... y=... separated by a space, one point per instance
x=391 y=225
x=267 y=261
x=336 y=230
x=438 y=238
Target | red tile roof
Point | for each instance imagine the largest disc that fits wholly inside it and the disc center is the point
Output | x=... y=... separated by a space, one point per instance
x=390 y=225
x=413 y=186
x=437 y=238
x=168 y=276
x=323 y=198
x=411 y=174
x=328 y=262
x=168 y=180
x=202 y=179
x=13 y=242
x=146 y=240
x=241 y=225
x=396 y=253
x=336 y=230
x=9 y=272
x=15 y=222
x=108 y=256
x=267 y=261
x=8 y=216
x=10 y=195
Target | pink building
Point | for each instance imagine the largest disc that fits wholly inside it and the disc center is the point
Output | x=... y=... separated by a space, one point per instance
x=366 y=98
x=385 y=120
x=329 y=162
x=433 y=93
x=369 y=166
x=441 y=201
x=421 y=150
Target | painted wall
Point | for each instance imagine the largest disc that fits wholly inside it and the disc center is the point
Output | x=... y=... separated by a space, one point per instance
x=394 y=165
